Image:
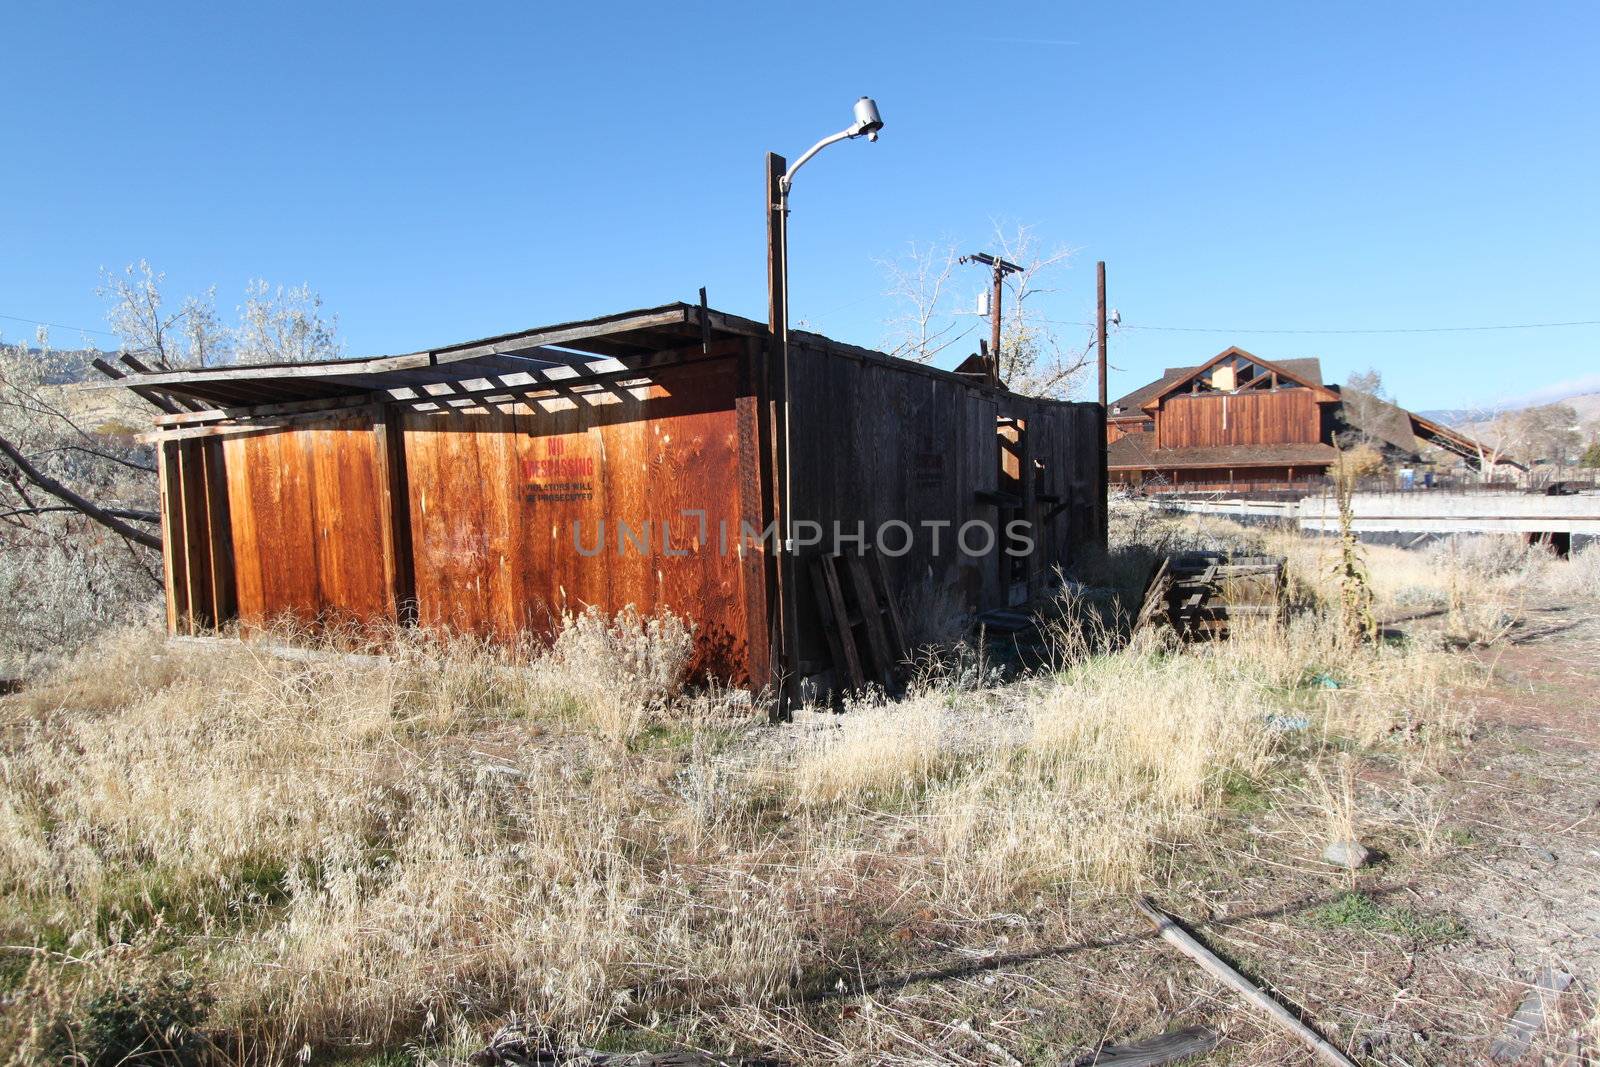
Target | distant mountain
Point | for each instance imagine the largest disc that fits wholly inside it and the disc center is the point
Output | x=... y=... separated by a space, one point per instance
x=1452 y=416
x=69 y=365
x=1587 y=405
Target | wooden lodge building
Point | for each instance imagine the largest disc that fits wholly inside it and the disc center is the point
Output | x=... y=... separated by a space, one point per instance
x=1238 y=422
x=633 y=459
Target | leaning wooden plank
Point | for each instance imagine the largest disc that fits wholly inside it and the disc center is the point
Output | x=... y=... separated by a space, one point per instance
x=1175 y=935
x=1155 y=592
x=836 y=623
x=891 y=609
x=1168 y=1048
x=1515 y=1040
x=172 y=561
x=885 y=662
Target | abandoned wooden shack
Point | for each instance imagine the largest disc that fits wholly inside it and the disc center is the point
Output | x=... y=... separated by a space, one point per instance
x=633 y=459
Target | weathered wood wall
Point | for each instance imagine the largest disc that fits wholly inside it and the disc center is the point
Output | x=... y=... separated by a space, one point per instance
x=519 y=513
x=1279 y=416
x=1116 y=431
x=308 y=508
x=198 y=560
x=877 y=442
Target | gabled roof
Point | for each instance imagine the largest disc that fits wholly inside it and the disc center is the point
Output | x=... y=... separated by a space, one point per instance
x=1129 y=405
x=1313 y=382
x=1304 y=370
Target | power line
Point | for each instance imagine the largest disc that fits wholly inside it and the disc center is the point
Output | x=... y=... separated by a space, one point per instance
x=57 y=325
x=1408 y=329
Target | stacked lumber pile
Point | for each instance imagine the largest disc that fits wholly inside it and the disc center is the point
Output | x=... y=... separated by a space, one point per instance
x=1198 y=593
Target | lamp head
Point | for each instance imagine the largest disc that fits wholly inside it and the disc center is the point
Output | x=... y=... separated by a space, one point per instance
x=868 y=121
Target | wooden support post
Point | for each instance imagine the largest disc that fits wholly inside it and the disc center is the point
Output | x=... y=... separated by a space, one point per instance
x=994 y=323
x=197 y=543
x=1100 y=320
x=1028 y=490
x=394 y=496
x=219 y=532
x=174 y=565
x=758 y=566
x=786 y=658
x=1104 y=509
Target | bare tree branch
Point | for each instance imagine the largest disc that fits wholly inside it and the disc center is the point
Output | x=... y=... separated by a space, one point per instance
x=919 y=280
x=131 y=464
x=121 y=513
x=81 y=504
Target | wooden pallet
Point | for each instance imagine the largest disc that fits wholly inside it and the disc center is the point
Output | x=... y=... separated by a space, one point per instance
x=861 y=620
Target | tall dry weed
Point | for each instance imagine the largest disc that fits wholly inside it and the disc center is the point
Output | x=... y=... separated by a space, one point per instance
x=881 y=751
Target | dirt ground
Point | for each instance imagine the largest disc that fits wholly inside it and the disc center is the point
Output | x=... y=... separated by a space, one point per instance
x=1486 y=872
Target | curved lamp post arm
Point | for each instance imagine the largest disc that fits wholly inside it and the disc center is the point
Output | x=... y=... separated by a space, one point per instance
x=868 y=122
x=787 y=181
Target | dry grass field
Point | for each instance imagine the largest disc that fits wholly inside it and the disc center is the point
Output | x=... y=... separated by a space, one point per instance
x=236 y=857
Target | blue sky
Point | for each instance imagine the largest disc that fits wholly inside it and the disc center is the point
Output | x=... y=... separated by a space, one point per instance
x=441 y=172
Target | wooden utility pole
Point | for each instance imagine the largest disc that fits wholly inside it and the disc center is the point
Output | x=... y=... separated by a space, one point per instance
x=1100 y=323
x=1105 y=443
x=994 y=326
x=1000 y=268
x=781 y=603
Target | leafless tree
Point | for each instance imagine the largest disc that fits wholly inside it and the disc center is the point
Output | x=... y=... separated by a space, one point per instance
x=920 y=282
x=285 y=325
x=192 y=336
x=282 y=324
x=1493 y=437
x=78 y=522
x=77 y=507
x=1361 y=404
x=1546 y=435
x=1036 y=355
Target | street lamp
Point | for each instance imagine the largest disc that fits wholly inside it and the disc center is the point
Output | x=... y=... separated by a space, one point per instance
x=867 y=124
